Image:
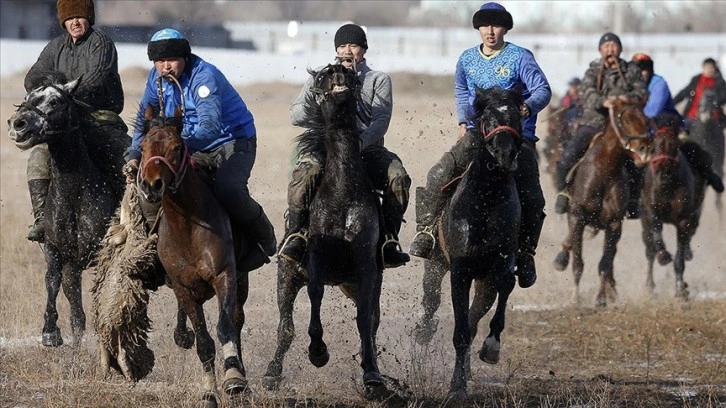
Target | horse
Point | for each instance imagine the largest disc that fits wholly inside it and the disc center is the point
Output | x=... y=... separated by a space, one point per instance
x=599 y=192
x=559 y=132
x=198 y=249
x=81 y=198
x=343 y=233
x=672 y=193
x=707 y=133
x=475 y=233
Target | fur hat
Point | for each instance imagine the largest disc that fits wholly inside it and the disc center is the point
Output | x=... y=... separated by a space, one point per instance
x=643 y=61
x=168 y=43
x=494 y=14
x=351 y=34
x=68 y=9
x=609 y=37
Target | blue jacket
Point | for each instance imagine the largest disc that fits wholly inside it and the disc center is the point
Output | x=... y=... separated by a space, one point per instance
x=511 y=68
x=659 y=98
x=215 y=113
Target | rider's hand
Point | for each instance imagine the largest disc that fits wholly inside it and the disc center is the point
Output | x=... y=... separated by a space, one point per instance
x=609 y=102
x=130 y=170
x=462 y=130
x=524 y=110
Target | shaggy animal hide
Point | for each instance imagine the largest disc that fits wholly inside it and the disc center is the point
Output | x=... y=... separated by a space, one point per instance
x=120 y=298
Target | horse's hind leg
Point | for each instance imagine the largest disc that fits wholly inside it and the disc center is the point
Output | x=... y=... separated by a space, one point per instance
x=72 y=289
x=607 y=290
x=289 y=283
x=51 y=333
x=434 y=272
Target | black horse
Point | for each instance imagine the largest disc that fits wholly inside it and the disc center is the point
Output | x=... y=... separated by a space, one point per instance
x=344 y=230
x=706 y=131
x=477 y=234
x=81 y=198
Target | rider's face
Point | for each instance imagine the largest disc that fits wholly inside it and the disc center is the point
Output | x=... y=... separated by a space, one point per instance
x=610 y=51
x=77 y=27
x=170 y=66
x=352 y=54
x=709 y=70
x=492 y=36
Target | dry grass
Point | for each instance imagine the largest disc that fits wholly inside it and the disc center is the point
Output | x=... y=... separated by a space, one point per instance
x=654 y=352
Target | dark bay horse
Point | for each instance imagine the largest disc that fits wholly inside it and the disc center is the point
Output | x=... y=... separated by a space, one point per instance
x=707 y=133
x=599 y=193
x=197 y=249
x=477 y=235
x=673 y=194
x=81 y=198
x=344 y=231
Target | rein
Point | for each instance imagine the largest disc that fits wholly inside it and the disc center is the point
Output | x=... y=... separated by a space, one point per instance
x=616 y=121
x=501 y=128
x=178 y=172
x=160 y=93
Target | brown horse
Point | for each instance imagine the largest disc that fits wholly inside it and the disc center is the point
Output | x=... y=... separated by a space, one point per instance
x=599 y=193
x=673 y=194
x=197 y=249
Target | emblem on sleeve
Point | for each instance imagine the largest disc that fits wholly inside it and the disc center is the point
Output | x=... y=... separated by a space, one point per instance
x=203 y=91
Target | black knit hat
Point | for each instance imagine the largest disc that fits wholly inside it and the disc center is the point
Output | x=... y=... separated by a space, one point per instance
x=68 y=9
x=351 y=34
x=492 y=14
x=609 y=37
x=168 y=43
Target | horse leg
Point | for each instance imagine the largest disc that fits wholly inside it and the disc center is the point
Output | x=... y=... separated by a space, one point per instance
x=317 y=349
x=51 y=332
x=684 y=234
x=484 y=297
x=504 y=283
x=647 y=234
x=460 y=286
x=71 y=283
x=662 y=255
x=577 y=228
x=183 y=336
x=368 y=293
x=205 y=345
x=434 y=272
x=229 y=326
x=607 y=290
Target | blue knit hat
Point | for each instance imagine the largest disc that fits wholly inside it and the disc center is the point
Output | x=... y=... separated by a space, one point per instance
x=168 y=43
x=492 y=14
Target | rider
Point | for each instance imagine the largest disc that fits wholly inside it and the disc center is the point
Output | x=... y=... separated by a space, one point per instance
x=711 y=79
x=384 y=168
x=660 y=107
x=608 y=78
x=571 y=103
x=494 y=63
x=88 y=55
x=218 y=129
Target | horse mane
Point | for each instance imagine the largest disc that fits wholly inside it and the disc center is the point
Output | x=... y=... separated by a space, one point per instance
x=489 y=98
x=312 y=140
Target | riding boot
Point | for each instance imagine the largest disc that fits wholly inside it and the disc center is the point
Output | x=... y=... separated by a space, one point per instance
x=38 y=189
x=294 y=245
x=715 y=181
x=635 y=181
x=393 y=255
x=701 y=163
x=529 y=233
x=562 y=205
x=262 y=234
x=426 y=210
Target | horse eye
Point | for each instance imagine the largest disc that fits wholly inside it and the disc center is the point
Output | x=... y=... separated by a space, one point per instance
x=53 y=103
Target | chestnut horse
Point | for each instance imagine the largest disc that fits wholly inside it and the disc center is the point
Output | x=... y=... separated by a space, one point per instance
x=672 y=193
x=197 y=249
x=599 y=193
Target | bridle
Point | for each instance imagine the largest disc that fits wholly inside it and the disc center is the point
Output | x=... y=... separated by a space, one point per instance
x=321 y=95
x=488 y=135
x=69 y=100
x=617 y=122
x=664 y=158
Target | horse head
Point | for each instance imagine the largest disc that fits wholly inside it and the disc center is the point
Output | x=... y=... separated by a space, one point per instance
x=708 y=108
x=666 y=145
x=335 y=88
x=46 y=111
x=632 y=128
x=499 y=122
x=164 y=155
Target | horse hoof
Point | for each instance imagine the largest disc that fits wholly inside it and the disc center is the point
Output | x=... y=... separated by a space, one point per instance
x=664 y=257
x=377 y=392
x=209 y=400
x=372 y=378
x=561 y=261
x=319 y=360
x=184 y=339
x=489 y=355
x=53 y=339
x=271 y=382
x=235 y=386
x=425 y=330
x=457 y=395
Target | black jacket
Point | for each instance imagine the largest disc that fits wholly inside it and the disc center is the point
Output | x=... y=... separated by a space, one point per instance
x=93 y=59
x=690 y=91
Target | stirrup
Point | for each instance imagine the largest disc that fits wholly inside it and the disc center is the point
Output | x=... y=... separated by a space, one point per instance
x=287 y=240
x=427 y=230
x=391 y=239
x=564 y=194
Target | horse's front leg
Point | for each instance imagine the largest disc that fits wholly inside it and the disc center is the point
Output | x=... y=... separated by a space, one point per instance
x=229 y=325
x=607 y=290
x=434 y=271
x=368 y=293
x=647 y=222
x=289 y=283
x=460 y=286
x=503 y=285
x=72 y=285
x=183 y=336
x=576 y=226
x=485 y=294
x=51 y=332
x=205 y=344
x=662 y=255
x=317 y=349
x=684 y=234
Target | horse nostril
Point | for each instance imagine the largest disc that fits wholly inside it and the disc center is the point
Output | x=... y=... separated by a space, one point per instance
x=158 y=185
x=18 y=124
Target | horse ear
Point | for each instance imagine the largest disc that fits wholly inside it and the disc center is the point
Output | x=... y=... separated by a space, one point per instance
x=70 y=87
x=177 y=113
x=149 y=113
